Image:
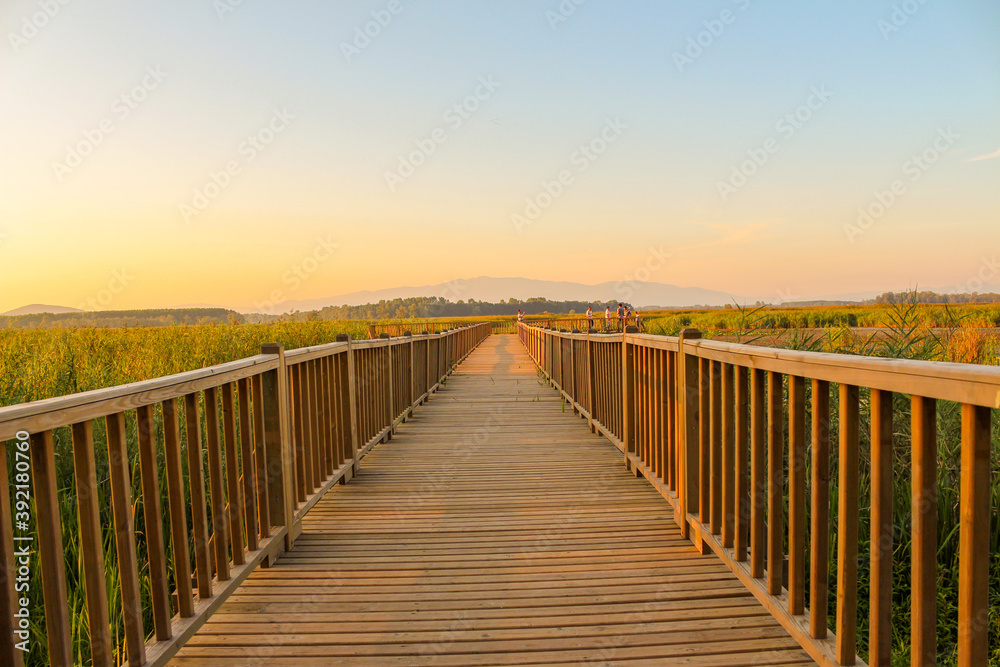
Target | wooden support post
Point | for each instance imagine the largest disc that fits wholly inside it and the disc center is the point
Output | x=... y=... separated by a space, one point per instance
x=352 y=409
x=923 y=577
x=278 y=445
x=592 y=382
x=628 y=399
x=974 y=539
x=688 y=402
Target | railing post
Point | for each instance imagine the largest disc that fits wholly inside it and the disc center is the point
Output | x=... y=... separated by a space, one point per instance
x=411 y=392
x=389 y=386
x=689 y=404
x=352 y=404
x=278 y=446
x=628 y=398
x=591 y=382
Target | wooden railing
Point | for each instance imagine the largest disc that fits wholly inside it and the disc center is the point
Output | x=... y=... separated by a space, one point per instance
x=500 y=325
x=275 y=431
x=705 y=423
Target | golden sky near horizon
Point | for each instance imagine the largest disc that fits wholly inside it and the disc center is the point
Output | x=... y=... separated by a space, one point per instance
x=750 y=165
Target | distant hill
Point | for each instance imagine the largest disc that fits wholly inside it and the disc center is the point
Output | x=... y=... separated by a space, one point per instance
x=494 y=290
x=37 y=308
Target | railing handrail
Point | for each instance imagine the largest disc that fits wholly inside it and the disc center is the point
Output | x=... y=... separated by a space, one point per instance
x=95 y=403
x=942 y=380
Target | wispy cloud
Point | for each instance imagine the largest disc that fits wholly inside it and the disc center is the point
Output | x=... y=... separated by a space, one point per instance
x=731 y=234
x=988 y=156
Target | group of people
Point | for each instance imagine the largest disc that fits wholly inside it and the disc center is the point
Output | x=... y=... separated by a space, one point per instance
x=623 y=317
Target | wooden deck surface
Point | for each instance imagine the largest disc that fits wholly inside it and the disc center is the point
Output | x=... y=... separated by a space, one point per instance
x=493 y=529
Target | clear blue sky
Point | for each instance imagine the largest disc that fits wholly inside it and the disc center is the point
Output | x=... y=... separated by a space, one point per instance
x=664 y=181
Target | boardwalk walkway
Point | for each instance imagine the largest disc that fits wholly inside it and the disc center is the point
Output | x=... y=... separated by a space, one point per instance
x=493 y=529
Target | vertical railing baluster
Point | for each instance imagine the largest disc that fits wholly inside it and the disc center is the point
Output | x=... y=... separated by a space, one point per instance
x=924 y=543
x=249 y=470
x=91 y=544
x=880 y=583
x=196 y=483
x=847 y=530
x=177 y=506
x=775 y=483
x=153 y=522
x=758 y=471
x=796 y=495
x=119 y=471
x=741 y=509
x=974 y=539
x=819 y=576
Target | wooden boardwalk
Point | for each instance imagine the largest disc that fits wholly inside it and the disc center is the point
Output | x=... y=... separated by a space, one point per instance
x=493 y=529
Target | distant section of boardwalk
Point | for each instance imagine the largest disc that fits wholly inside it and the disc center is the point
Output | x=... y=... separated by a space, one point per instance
x=493 y=529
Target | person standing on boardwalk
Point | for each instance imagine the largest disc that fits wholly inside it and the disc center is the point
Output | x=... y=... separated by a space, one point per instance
x=520 y=315
x=607 y=318
x=621 y=317
x=590 y=318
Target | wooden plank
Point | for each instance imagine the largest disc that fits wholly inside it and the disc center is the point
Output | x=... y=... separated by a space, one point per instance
x=924 y=543
x=152 y=516
x=91 y=544
x=974 y=539
x=199 y=505
x=819 y=558
x=880 y=583
x=50 y=548
x=796 y=495
x=847 y=526
x=177 y=506
x=119 y=470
